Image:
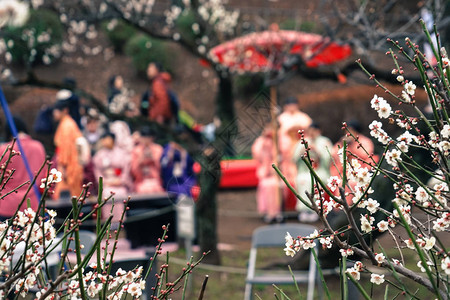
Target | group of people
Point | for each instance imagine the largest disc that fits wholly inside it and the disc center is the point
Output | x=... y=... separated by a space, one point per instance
x=89 y=146
x=281 y=143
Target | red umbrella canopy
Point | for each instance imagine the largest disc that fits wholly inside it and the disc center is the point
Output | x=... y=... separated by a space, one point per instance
x=267 y=50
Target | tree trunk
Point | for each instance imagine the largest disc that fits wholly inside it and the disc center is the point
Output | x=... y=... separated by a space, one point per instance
x=210 y=174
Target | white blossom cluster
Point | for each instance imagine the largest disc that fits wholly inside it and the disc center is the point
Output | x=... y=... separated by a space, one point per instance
x=13 y=13
x=18 y=12
x=431 y=197
x=295 y=245
x=24 y=242
x=441 y=141
x=212 y=12
x=380 y=105
x=216 y=14
x=121 y=284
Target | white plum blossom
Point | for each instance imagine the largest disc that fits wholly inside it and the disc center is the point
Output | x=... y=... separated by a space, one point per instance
x=372 y=205
x=405 y=211
x=445 y=132
x=380 y=258
x=382 y=226
x=196 y=28
x=400 y=78
x=366 y=223
x=445 y=265
x=384 y=111
x=408 y=138
x=426 y=243
x=354 y=273
x=333 y=183
x=346 y=252
x=377 y=132
x=429 y=243
x=422 y=194
x=376 y=278
x=434 y=139
x=409 y=243
x=380 y=105
x=13 y=13
x=291 y=245
x=326 y=242
x=393 y=157
x=405 y=96
x=444 y=146
x=54 y=176
x=410 y=88
x=422 y=268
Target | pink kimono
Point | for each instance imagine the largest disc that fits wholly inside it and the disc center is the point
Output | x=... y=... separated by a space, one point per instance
x=267 y=194
x=114 y=166
x=290 y=123
x=35 y=154
x=146 y=168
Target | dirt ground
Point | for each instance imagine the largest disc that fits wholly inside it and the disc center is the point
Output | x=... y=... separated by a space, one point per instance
x=237 y=217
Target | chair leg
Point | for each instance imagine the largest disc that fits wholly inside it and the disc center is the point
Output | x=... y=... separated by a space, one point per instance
x=320 y=288
x=248 y=291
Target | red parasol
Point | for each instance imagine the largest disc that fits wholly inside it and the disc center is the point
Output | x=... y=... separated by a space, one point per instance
x=267 y=50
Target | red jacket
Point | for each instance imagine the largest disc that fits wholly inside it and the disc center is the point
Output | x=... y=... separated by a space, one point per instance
x=159 y=99
x=36 y=157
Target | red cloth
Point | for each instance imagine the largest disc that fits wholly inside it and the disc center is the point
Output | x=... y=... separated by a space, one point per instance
x=290 y=201
x=159 y=100
x=36 y=156
x=239 y=173
x=236 y=173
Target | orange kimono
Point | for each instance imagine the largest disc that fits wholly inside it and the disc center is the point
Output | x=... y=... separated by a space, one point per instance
x=67 y=157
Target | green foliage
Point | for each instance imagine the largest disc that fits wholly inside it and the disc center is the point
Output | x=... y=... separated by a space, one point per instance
x=118 y=33
x=305 y=26
x=248 y=84
x=39 y=40
x=143 y=49
x=184 y=26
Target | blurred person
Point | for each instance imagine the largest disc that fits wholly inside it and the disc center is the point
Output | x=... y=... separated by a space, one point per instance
x=145 y=164
x=112 y=163
x=122 y=133
x=362 y=149
x=268 y=198
x=119 y=98
x=320 y=148
x=291 y=120
x=72 y=99
x=177 y=170
x=67 y=153
x=209 y=130
x=156 y=103
x=93 y=130
x=35 y=154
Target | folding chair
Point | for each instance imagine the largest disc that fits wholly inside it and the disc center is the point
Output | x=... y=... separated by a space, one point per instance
x=274 y=236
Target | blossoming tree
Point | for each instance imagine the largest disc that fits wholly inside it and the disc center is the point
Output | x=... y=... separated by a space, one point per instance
x=36 y=257
x=213 y=24
x=419 y=218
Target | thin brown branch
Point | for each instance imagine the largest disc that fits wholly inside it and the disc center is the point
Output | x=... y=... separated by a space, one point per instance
x=54 y=285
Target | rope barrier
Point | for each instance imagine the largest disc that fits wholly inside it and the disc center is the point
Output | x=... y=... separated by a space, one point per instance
x=148 y=214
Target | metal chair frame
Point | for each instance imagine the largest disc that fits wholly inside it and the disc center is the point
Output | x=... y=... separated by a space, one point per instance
x=274 y=236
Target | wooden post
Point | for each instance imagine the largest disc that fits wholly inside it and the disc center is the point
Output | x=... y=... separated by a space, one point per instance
x=275 y=151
